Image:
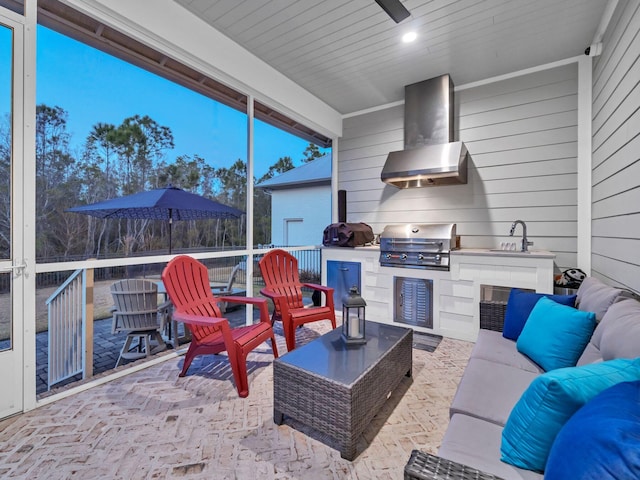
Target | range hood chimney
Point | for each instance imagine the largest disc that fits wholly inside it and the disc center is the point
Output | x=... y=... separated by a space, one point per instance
x=430 y=156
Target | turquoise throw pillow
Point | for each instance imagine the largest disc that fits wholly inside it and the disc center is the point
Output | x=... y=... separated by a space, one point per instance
x=555 y=335
x=601 y=440
x=519 y=307
x=550 y=401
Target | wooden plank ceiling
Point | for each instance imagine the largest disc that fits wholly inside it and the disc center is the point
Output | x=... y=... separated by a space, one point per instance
x=350 y=54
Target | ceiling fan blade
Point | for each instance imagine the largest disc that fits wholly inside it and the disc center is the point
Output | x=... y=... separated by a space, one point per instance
x=395 y=9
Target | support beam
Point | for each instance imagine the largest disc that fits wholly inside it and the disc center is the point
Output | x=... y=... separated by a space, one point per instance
x=585 y=75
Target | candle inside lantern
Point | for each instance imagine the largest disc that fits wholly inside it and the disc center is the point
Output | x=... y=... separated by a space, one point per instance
x=354 y=327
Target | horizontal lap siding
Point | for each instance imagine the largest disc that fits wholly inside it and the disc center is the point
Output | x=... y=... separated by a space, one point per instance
x=616 y=152
x=521 y=134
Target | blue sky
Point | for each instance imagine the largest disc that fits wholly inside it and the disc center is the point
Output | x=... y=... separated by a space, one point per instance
x=95 y=87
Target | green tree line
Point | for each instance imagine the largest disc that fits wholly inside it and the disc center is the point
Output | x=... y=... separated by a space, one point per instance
x=117 y=160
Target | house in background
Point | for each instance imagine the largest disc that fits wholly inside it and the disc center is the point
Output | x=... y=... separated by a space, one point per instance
x=300 y=203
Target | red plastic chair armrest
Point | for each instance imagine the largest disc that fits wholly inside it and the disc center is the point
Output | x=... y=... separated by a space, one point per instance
x=315 y=286
x=275 y=297
x=328 y=291
x=200 y=320
x=261 y=303
x=271 y=294
x=278 y=299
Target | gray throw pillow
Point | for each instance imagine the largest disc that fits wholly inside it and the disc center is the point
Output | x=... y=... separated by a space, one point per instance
x=595 y=296
x=620 y=330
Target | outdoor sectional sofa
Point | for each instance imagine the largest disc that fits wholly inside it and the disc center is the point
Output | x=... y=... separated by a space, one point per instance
x=498 y=375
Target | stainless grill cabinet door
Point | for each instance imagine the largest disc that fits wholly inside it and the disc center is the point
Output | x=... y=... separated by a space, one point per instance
x=341 y=276
x=413 y=301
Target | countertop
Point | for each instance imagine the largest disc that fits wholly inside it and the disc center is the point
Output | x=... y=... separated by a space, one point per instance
x=468 y=251
x=503 y=253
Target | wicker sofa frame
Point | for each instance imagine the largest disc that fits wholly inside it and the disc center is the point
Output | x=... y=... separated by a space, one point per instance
x=492 y=314
x=424 y=466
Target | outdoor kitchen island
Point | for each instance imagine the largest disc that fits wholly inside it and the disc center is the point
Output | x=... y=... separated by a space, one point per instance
x=456 y=292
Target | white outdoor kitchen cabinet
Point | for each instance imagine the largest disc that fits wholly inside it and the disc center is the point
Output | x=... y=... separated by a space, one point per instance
x=456 y=293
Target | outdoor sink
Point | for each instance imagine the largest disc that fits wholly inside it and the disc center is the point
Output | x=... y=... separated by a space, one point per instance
x=507 y=251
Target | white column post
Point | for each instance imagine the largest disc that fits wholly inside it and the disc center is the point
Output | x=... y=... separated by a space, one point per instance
x=585 y=74
x=249 y=206
x=27 y=188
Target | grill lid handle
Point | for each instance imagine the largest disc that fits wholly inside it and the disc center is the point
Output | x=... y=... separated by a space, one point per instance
x=414 y=241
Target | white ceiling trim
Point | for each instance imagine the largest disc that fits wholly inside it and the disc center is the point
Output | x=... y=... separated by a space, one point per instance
x=183 y=36
x=373 y=109
x=487 y=81
x=604 y=21
x=520 y=73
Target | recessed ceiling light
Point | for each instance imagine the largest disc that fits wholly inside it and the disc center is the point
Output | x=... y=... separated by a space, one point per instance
x=409 y=37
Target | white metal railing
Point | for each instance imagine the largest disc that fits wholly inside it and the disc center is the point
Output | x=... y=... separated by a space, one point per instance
x=68 y=332
x=70 y=307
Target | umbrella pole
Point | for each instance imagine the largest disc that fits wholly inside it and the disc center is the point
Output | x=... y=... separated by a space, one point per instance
x=170 y=225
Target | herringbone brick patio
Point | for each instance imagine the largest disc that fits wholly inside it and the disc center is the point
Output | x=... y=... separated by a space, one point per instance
x=154 y=425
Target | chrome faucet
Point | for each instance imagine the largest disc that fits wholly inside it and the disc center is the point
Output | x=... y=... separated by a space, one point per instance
x=525 y=243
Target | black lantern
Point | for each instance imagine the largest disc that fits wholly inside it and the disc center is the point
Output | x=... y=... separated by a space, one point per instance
x=353 y=317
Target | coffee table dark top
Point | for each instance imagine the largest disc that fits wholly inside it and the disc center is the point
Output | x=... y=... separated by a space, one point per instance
x=330 y=357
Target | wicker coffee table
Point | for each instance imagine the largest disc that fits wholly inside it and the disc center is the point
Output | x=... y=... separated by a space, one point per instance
x=337 y=390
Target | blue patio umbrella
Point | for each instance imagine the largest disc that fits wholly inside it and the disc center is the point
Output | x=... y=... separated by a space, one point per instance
x=169 y=203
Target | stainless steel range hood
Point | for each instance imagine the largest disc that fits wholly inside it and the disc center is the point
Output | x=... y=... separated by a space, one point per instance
x=431 y=156
x=441 y=164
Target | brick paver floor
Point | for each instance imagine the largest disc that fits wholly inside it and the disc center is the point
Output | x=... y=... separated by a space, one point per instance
x=154 y=425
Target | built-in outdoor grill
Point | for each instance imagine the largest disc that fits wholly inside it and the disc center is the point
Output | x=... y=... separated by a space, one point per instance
x=417 y=246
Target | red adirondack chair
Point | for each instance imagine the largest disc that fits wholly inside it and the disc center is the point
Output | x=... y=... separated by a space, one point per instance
x=280 y=272
x=187 y=283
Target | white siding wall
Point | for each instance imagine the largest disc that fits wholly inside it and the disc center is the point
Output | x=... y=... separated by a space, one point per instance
x=522 y=136
x=311 y=204
x=616 y=151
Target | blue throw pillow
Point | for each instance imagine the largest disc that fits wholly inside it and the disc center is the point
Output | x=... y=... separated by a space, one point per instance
x=550 y=401
x=519 y=307
x=555 y=335
x=601 y=440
